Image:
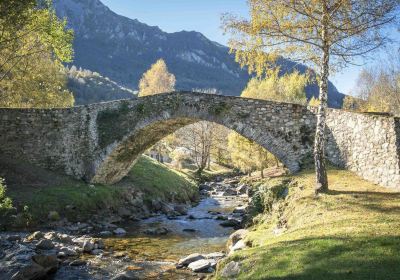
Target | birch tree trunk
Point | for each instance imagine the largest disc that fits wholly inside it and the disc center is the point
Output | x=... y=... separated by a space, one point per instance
x=319 y=145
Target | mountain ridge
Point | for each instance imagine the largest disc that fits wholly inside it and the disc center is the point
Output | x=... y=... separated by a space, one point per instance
x=123 y=49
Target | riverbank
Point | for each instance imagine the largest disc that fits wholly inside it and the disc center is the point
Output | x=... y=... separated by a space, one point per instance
x=152 y=248
x=352 y=232
x=42 y=198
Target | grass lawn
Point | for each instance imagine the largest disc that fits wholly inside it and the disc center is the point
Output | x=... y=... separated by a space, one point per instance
x=157 y=180
x=351 y=233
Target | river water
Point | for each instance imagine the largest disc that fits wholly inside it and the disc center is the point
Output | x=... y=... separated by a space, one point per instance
x=147 y=256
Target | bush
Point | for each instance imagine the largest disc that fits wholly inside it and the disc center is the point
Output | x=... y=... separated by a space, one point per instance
x=6 y=207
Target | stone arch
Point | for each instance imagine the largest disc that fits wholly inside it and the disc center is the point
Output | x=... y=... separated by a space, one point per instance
x=275 y=126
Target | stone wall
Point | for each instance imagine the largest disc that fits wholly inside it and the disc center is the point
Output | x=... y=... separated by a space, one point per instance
x=101 y=142
x=366 y=144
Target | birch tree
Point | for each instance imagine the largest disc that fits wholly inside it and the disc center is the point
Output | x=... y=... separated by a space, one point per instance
x=325 y=34
x=157 y=80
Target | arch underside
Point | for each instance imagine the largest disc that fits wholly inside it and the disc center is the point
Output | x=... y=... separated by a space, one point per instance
x=121 y=157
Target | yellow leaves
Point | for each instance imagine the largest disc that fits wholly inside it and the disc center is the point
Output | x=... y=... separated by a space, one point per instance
x=287 y=88
x=314 y=102
x=157 y=80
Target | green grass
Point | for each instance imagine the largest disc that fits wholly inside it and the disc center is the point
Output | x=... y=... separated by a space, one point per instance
x=157 y=180
x=43 y=191
x=353 y=232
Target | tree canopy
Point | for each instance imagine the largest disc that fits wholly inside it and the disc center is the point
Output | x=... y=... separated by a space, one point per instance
x=157 y=80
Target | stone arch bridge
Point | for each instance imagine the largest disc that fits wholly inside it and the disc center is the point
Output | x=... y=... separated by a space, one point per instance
x=100 y=142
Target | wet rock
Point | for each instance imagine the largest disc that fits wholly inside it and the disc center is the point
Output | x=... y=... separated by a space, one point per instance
x=189 y=230
x=191 y=217
x=53 y=216
x=13 y=238
x=48 y=262
x=68 y=251
x=37 y=235
x=119 y=231
x=229 y=192
x=45 y=244
x=88 y=246
x=77 y=263
x=31 y=272
x=96 y=252
x=181 y=209
x=64 y=238
x=156 y=231
x=242 y=189
x=200 y=265
x=189 y=259
x=221 y=218
x=156 y=204
x=105 y=233
x=204 y=187
x=240 y=210
x=100 y=244
x=128 y=275
x=167 y=209
x=230 y=223
x=232 y=269
x=51 y=235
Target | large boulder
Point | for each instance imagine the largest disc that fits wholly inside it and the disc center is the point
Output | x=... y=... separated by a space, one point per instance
x=236 y=236
x=232 y=269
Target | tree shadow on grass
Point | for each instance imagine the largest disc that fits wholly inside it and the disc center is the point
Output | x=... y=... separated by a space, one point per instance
x=329 y=258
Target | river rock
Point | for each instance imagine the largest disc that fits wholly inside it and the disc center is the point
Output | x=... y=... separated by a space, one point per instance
x=105 y=233
x=189 y=259
x=200 y=265
x=181 y=209
x=64 y=238
x=240 y=210
x=51 y=235
x=242 y=189
x=68 y=251
x=215 y=255
x=240 y=245
x=231 y=269
x=48 y=262
x=229 y=192
x=88 y=246
x=128 y=275
x=119 y=231
x=189 y=230
x=35 y=236
x=96 y=252
x=45 y=244
x=31 y=272
x=156 y=231
x=13 y=238
x=236 y=236
x=230 y=223
x=77 y=263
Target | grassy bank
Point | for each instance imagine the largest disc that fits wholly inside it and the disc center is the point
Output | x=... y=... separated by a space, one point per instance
x=351 y=233
x=39 y=191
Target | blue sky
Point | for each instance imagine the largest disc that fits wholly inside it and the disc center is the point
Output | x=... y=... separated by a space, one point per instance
x=204 y=16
